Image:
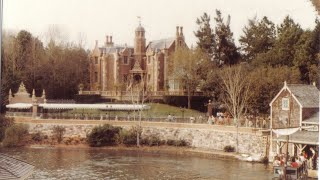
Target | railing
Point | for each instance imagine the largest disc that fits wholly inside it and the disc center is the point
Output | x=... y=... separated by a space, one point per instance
x=137 y=93
x=154 y=117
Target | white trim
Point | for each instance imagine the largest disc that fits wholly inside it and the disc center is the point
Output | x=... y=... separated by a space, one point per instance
x=285 y=88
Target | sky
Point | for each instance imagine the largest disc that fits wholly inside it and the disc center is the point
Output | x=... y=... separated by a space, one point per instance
x=91 y=20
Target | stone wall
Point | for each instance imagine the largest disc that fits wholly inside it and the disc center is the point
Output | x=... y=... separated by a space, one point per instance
x=197 y=135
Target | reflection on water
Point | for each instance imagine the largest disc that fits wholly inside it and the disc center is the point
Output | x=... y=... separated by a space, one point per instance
x=103 y=164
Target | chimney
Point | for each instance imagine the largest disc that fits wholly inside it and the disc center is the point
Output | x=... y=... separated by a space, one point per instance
x=181 y=31
x=177 y=32
x=107 y=39
x=111 y=39
x=96 y=43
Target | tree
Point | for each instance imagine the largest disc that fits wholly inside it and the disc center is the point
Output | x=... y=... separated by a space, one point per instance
x=186 y=67
x=225 y=50
x=205 y=34
x=235 y=86
x=259 y=37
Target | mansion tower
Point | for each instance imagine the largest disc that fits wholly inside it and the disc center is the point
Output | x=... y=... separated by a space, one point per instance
x=117 y=68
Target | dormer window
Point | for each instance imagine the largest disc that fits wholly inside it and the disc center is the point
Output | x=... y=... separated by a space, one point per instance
x=285 y=103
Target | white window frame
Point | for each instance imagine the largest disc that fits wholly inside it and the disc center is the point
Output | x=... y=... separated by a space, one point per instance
x=285 y=103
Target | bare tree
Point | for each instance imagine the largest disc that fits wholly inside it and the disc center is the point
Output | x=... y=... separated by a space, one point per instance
x=235 y=86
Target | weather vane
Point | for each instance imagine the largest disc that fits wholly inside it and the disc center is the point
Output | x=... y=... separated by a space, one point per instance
x=139 y=19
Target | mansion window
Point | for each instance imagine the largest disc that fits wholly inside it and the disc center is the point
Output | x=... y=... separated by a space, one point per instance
x=96 y=60
x=95 y=76
x=125 y=59
x=285 y=103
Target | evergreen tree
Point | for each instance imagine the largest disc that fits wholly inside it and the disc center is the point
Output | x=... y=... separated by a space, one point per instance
x=259 y=37
x=225 y=50
x=205 y=34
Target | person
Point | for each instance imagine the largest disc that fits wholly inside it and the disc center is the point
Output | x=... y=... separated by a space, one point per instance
x=276 y=161
x=264 y=123
x=210 y=120
x=246 y=121
x=294 y=163
x=173 y=118
x=169 y=117
x=250 y=123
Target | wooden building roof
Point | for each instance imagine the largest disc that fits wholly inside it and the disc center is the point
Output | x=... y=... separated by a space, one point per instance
x=301 y=137
x=11 y=168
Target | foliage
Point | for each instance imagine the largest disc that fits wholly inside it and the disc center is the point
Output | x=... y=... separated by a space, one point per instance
x=58 y=68
x=225 y=50
x=14 y=135
x=236 y=90
x=187 y=69
x=38 y=136
x=105 y=135
x=264 y=160
x=179 y=142
x=229 y=149
x=5 y=122
x=58 y=132
x=259 y=37
x=205 y=34
x=128 y=137
x=152 y=140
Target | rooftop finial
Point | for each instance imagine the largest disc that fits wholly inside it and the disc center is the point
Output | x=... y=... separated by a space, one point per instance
x=139 y=19
x=285 y=83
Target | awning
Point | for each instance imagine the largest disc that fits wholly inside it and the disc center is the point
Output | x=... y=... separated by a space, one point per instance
x=301 y=137
x=95 y=106
x=285 y=132
x=19 y=106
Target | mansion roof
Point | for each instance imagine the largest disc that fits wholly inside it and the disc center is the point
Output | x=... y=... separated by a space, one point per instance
x=161 y=44
x=307 y=95
x=113 y=49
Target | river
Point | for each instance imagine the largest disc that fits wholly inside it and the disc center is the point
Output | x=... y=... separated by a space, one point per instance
x=105 y=164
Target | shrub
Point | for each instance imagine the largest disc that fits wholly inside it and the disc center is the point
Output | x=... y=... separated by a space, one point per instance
x=14 y=135
x=171 y=142
x=264 y=160
x=180 y=142
x=152 y=140
x=58 y=132
x=229 y=149
x=103 y=135
x=5 y=122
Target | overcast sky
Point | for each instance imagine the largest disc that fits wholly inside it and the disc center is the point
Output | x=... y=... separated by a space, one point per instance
x=97 y=18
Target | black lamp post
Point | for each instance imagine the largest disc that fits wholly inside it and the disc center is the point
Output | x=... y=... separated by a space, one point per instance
x=182 y=112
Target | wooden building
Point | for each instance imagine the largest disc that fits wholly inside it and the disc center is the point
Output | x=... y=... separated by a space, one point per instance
x=295 y=107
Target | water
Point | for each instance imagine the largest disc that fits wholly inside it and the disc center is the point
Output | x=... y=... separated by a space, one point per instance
x=105 y=164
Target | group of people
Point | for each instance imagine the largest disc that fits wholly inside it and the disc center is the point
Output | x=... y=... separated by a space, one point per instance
x=221 y=119
x=296 y=161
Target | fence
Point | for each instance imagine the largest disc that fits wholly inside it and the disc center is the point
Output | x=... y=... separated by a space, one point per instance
x=154 y=117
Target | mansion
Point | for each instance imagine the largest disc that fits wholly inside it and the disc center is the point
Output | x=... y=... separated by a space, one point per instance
x=116 y=68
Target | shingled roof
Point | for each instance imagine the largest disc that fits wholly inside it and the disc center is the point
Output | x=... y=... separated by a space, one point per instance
x=304 y=137
x=161 y=44
x=314 y=119
x=307 y=95
x=11 y=168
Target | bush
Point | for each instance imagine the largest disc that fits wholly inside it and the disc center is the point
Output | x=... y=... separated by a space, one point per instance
x=103 y=135
x=180 y=142
x=5 y=122
x=14 y=135
x=264 y=160
x=38 y=136
x=58 y=132
x=229 y=149
x=153 y=140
